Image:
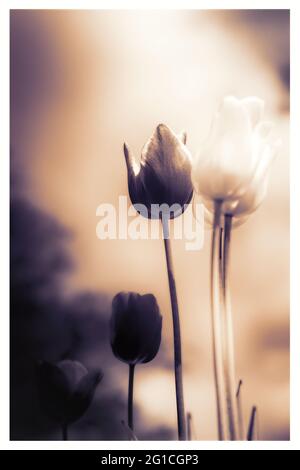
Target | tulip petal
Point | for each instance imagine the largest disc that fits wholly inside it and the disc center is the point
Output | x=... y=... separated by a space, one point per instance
x=54 y=390
x=229 y=158
x=226 y=155
x=150 y=324
x=234 y=163
x=83 y=395
x=73 y=372
x=165 y=176
x=135 y=327
x=263 y=129
x=133 y=167
x=255 y=108
x=125 y=339
x=232 y=117
x=164 y=148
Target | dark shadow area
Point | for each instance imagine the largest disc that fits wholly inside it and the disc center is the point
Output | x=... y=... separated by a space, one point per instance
x=46 y=324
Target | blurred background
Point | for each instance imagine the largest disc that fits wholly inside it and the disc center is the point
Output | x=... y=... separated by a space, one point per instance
x=82 y=82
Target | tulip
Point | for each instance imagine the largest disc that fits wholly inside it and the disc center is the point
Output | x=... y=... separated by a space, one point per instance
x=135 y=334
x=253 y=195
x=66 y=390
x=160 y=187
x=231 y=176
x=240 y=209
x=162 y=176
x=229 y=157
x=233 y=164
x=135 y=327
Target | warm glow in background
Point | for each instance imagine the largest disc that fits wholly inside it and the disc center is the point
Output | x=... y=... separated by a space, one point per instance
x=85 y=81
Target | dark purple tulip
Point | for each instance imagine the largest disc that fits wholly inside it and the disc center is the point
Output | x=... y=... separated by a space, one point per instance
x=163 y=174
x=135 y=327
x=66 y=389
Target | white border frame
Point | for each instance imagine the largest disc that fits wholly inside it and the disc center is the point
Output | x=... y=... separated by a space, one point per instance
x=294 y=6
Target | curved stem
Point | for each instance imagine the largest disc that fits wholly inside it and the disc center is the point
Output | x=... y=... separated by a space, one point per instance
x=215 y=317
x=227 y=337
x=130 y=395
x=64 y=432
x=181 y=418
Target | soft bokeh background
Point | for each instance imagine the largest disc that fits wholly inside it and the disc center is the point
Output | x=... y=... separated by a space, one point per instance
x=81 y=83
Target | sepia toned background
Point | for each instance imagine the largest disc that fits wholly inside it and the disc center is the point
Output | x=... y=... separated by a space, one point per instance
x=82 y=82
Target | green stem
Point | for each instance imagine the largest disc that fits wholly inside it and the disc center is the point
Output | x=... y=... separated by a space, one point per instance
x=227 y=337
x=215 y=318
x=130 y=395
x=64 y=432
x=181 y=418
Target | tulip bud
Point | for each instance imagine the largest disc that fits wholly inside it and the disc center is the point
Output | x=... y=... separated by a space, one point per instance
x=233 y=164
x=163 y=174
x=135 y=327
x=66 y=389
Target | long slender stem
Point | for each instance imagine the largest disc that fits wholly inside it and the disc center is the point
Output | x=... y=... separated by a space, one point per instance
x=181 y=418
x=130 y=395
x=64 y=429
x=227 y=337
x=215 y=318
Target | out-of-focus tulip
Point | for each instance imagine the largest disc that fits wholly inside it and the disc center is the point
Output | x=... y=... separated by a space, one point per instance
x=66 y=389
x=231 y=177
x=256 y=190
x=135 y=327
x=162 y=175
x=233 y=163
x=246 y=204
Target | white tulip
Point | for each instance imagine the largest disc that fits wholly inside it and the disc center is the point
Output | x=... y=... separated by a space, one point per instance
x=233 y=163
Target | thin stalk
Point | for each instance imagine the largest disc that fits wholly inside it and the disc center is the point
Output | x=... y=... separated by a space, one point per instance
x=65 y=430
x=227 y=337
x=181 y=418
x=130 y=395
x=240 y=411
x=215 y=318
x=251 y=427
x=256 y=425
x=189 y=426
